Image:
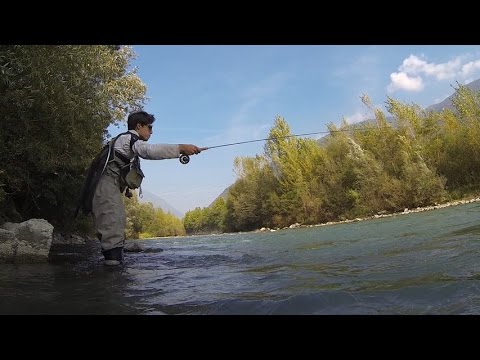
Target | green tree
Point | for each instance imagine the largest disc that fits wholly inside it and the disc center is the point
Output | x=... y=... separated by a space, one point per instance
x=145 y=221
x=247 y=199
x=57 y=102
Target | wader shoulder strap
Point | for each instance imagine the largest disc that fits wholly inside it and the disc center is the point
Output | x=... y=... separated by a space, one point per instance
x=133 y=139
x=96 y=169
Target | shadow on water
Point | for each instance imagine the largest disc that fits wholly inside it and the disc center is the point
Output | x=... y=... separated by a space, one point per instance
x=470 y=230
x=74 y=281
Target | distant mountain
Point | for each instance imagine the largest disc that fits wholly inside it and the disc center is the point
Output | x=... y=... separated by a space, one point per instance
x=447 y=103
x=158 y=202
x=223 y=195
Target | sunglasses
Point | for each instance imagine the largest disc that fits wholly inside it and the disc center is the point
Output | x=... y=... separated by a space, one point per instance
x=149 y=126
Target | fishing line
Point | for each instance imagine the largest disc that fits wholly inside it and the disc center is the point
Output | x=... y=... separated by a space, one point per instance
x=272 y=138
x=184 y=159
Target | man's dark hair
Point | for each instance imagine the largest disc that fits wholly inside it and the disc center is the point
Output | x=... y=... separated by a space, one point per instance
x=139 y=117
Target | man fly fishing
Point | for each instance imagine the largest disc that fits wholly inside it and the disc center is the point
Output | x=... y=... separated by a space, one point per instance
x=116 y=170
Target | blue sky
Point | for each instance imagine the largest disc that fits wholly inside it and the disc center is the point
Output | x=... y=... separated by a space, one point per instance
x=211 y=95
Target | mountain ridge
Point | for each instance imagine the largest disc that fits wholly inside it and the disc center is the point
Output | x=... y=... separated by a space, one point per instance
x=448 y=103
x=158 y=202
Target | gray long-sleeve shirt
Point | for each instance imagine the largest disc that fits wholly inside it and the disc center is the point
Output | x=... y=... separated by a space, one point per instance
x=146 y=150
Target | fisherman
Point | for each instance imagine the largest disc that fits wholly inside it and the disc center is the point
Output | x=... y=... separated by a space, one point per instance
x=107 y=205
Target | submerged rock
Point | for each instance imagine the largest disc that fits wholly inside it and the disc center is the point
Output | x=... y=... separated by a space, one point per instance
x=131 y=246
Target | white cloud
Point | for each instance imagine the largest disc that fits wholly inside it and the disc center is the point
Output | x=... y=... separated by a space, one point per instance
x=414 y=69
x=414 y=65
x=470 y=68
x=356 y=118
x=401 y=81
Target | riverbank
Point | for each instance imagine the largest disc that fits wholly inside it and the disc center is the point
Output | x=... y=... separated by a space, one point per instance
x=378 y=216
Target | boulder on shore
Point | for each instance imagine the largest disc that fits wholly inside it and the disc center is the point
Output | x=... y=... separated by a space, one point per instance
x=25 y=242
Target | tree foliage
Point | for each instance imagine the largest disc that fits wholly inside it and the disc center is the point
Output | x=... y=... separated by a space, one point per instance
x=206 y=220
x=57 y=103
x=409 y=159
x=146 y=221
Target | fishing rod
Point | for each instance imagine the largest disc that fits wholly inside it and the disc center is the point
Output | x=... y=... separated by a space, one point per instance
x=184 y=159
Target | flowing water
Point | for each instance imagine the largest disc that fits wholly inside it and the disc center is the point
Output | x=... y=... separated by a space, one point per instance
x=422 y=263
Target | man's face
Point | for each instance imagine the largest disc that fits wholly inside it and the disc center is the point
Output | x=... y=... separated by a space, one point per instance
x=144 y=131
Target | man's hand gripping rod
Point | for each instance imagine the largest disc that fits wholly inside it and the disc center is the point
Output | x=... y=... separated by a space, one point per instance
x=184 y=159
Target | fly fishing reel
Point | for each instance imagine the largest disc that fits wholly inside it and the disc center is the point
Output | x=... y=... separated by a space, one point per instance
x=184 y=159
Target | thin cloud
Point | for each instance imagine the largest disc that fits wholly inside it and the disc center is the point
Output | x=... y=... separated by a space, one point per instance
x=242 y=126
x=363 y=66
x=239 y=133
x=361 y=71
